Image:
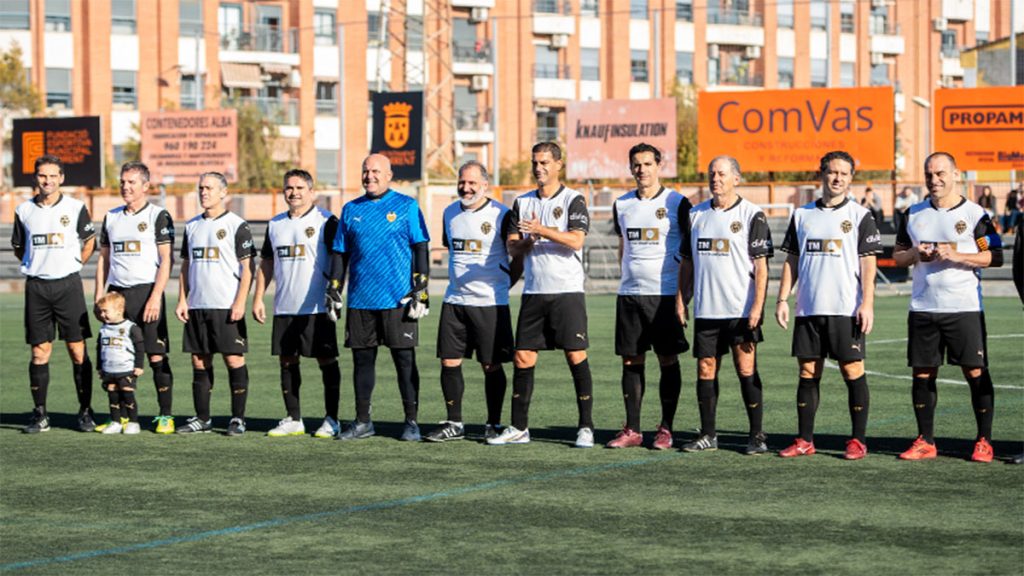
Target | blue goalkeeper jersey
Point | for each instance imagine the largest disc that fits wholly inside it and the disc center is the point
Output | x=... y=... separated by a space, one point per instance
x=377 y=234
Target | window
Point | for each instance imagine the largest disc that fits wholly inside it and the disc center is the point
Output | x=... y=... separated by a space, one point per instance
x=327 y=167
x=880 y=20
x=847 y=74
x=124 y=87
x=327 y=98
x=590 y=64
x=14 y=15
x=58 y=16
x=413 y=32
x=189 y=98
x=785 y=72
x=784 y=11
x=880 y=75
x=713 y=68
x=377 y=27
x=638 y=9
x=323 y=28
x=58 y=88
x=980 y=36
x=122 y=16
x=819 y=14
x=714 y=11
x=547 y=126
x=684 y=10
x=190 y=18
x=819 y=73
x=684 y=67
x=588 y=8
x=546 y=62
x=847 y=14
x=949 y=45
x=638 y=65
x=229 y=21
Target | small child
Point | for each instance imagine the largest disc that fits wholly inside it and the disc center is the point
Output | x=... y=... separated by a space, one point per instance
x=120 y=351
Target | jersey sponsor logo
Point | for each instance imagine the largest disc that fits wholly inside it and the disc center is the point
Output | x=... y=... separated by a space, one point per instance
x=846 y=226
x=713 y=245
x=142 y=226
x=873 y=239
x=309 y=232
x=295 y=251
x=557 y=212
x=660 y=213
x=247 y=244
x=127 y=247
x=64 y=220
x=165 y=231
x=643 y=235
x=112 y=341
x=205 y=253
x=53 y=239
x=760 y=243
x=960 y=227
x=579 y=217
x=823 y=245
x=467 y=245
x=486 y=227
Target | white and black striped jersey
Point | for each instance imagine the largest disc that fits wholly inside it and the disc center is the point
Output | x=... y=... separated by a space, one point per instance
x=51 y=236
x=830 y=242
x=301 y=250
x=651 y=231
x=132 y=238
x=550 y=267
x=216 y=249
x=945 y=286
x=478 y=266
x=723 y=245
x=120 y=348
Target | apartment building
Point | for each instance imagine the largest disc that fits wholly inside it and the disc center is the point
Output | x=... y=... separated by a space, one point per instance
x=496 y=74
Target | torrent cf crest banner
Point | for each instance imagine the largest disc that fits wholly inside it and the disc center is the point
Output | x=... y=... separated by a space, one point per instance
x=398 y=132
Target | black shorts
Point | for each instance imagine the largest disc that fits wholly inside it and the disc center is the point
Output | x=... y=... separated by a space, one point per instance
x=372 y=328
x=55 y=302
x=309 y=335
x=120 y=381
x=836 y=337
x=211 y=332
x=961 y=335
x=552 y=321
x=645 y=322
x=154 y=333
x=487 y=330
x=716 y=337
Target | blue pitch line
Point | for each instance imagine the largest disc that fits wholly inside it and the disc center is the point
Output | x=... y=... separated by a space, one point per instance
x=275 y=522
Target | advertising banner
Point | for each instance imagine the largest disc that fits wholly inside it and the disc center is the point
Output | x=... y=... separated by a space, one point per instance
x=983 y=128
x=600 y=134
x=179 y=146
x=77 y=141
x=398 y=132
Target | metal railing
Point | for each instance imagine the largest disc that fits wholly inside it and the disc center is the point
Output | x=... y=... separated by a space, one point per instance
x=326 y=107
x=684 y=12
x=478 y=51
x=879 y=26
x=552 y=7
x=738 y=79
x=556 y=71
x=734 y=17
x=261 y=38
x=473 y=120
x=547 y=134
x=280 y=111
x=951 y=51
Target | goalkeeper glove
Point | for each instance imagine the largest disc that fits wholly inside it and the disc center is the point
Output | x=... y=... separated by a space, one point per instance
x=335 y=300
x=417 y=299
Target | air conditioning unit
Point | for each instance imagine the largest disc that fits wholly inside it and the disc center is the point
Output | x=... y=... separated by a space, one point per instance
x=559 y=40
x=712 y=50
x=479 y=83
x=940 y=24
x=478 y=15
x=876 y=58
x=752 y=52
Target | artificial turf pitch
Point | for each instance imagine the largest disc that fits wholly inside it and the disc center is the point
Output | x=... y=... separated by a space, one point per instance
x=93 y=504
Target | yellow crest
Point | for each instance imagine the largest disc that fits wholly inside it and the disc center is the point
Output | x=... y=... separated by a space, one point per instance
x=660 y=213
x=485 y=227
x=396 y=124
x=557 y=212
x=221 y=234
x=961 y=227
x=391 y=216
x=736 y=227
x=310 y=232
x=64 y=220
x=142 y=226
x=846 y=226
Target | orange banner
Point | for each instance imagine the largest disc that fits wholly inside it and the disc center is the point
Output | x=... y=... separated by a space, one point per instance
x=790 y=130
x=983 y=128
x=179 y=146
x=600 y=134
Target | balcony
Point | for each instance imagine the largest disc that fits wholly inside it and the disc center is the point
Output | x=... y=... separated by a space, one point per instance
x=735 y=28
x=472 y=3
x=326 y=107
x=737 y=78
x=553 y=17
x=551 y=81
x=276 y=110
x=734 y=17
x=547 y=134
x=472 y=58
x=473 y=126
x=260 y=44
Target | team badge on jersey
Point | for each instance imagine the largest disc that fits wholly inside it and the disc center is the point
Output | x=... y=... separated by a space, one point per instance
x=64 y=220
x=557 y=212
x=309 y=232
x=660 y=213
x=846 y=226
x=485 y=227
x=142 y=226
x=392 y=216
x=120 y=331
x=961 y=227
x=221 y=234
x=735 y=227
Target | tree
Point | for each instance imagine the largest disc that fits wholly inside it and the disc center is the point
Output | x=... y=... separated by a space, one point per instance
x=18 y=97
x=686 y=132
x=257 y=169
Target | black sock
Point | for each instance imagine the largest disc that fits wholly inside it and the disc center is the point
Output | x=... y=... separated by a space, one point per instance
x=38 y=384
x=164 y=381
x=753 y=399
x=364 y=376
x=209 y=375
x=632 y=393
x=129 y=408
x=291 y=382
x=408 y=380
x=983 y=401
x=331 y=375
x=114 y=397
x=522 y=391
x=707 y=403
x=859 y=400
x=201 y=387
x=925 y=398
x=584 y=385
x=238 y=379
x=82 y=375
x=495 y=386
x=807 y=397
x=669 y=385
x=452 y=386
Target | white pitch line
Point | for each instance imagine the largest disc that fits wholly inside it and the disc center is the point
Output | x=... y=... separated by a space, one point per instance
x=834 y=366
x=990 y=337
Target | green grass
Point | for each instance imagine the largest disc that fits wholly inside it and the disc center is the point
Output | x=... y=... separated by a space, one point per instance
x=92 y=504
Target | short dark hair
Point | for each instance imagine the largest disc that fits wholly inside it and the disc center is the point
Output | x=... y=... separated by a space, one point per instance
x=298 y=173
x=479 y=166
x=49 y=159
x=139 y=167
x=220 y=177
x=552 y=147
x=644 y=147
x=836 y=155
x=940 y=153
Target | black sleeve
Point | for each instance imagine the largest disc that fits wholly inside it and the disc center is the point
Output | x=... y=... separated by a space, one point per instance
x=902 y=235
x=164 y=229
x=791 y=243
x=760 y=239
x=869 y=240
x=139 y=344
x=267 y=251
x=421 y=258
x=1018 y=258
x=615 y=219
x=579 y=217
x=506 y=226
x=86 y=229
x=104 y=240
x=686 y=245
x=986 y=238
x=514 y=216
x=244 y=245
x=683 y=210
x=184 y=246
x=330 y=231
x=18 y=233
